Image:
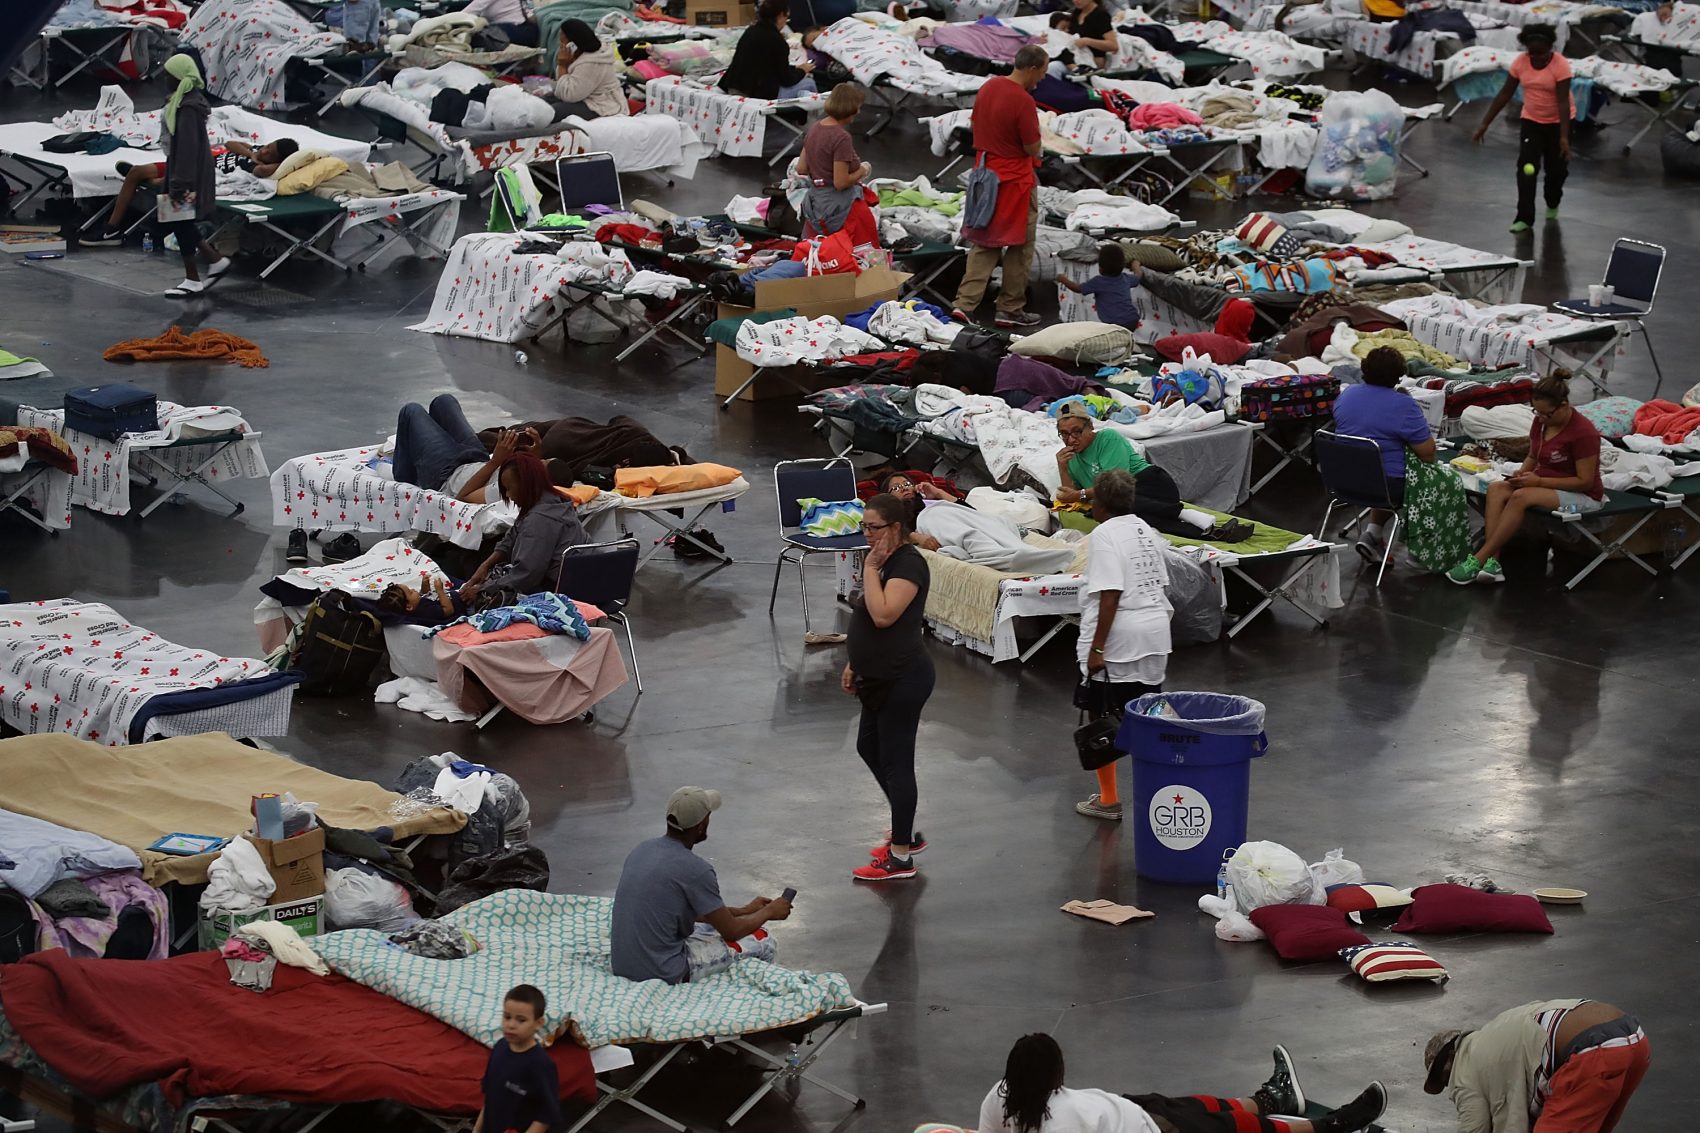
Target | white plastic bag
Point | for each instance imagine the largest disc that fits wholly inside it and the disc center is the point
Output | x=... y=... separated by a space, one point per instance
x=1237 y=927
x=1336 y=869
x=1357 y=148
x=1267 y=873
x=356 y=899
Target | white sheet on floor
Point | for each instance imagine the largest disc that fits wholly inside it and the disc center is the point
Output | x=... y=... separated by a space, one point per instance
x=415 y=694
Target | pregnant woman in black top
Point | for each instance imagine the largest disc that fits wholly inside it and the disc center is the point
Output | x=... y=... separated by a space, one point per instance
x=891 y=674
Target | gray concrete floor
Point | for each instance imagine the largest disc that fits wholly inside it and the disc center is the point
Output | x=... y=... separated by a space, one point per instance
x=1525 y=731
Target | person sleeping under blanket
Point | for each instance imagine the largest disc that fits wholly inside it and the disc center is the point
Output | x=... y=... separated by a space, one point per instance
x=573 y=445
x=940 y=523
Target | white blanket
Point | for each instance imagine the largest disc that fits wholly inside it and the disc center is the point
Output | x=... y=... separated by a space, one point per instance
x=339 y=491
x=871 y=53
x=1622 y=79
x=797 y=341
x=727 y=123
x=247 y=45
x=489 y=291
x=1507 y=334
x=34 y=854
x=1009 y=440
x=79 y=669
x=988 y=540
x=104 y=466
x=1683 y=30
x=1620 y=470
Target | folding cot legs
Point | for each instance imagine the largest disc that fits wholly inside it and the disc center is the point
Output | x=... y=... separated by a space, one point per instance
x=1216 y=152
x=628 y=1095
x=797 y=132
x=921 y=282
x=298 y=244
x=1387 y=547
x=1661 y=115
x=886 y=106
x=196 y=474
x=404 y=226
x=1269 y=595
x=102 y=52
x=13 y=502
x=1063 y=622
x=1619 y=544
x=668 y=325
x=679 y=528
x=370 y=69
x=1299 y=450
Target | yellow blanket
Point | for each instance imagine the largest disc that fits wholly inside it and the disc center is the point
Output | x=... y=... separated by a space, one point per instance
x=965 y=597
x=191 y=785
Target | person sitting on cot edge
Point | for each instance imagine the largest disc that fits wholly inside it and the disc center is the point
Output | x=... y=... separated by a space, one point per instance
x=261 y=161
x=670 y=923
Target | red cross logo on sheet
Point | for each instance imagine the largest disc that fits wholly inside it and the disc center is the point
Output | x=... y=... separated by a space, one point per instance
x=173 y=673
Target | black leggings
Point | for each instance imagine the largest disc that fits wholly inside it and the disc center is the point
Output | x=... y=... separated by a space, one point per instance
x=885 y=740
x=1157 y=500
x=1538 y=146
x=188 y=233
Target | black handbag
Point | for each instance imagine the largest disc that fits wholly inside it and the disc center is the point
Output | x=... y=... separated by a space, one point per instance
x=1095 y=740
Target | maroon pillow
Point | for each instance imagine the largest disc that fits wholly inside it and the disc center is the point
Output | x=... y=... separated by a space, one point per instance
x=1224 y=351
x=1458 y=908
x=1306 y=932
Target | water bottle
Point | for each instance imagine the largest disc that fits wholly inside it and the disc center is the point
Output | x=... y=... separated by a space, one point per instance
x=1676 y=541
x=147 y=241
x=1224 y=887
x=520 y=358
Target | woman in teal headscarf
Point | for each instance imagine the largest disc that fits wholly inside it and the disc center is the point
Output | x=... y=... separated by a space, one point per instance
x=190 y=180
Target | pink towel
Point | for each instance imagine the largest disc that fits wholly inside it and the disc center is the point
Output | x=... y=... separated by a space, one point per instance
x=1162 y=116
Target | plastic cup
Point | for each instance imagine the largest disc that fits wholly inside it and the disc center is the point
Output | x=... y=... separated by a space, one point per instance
x=1596 y=295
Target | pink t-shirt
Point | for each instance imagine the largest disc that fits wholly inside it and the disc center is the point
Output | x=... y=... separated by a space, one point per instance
x=1540 y=86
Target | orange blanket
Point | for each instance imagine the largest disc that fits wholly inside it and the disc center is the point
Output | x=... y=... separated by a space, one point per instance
x=174 y=344
x=1666 y=420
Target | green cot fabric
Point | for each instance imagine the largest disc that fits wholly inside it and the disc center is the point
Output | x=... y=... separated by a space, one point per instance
x=1435 y=520
x=725 y=331
x=1264 y=539
x=947 y=203
x=560 y=943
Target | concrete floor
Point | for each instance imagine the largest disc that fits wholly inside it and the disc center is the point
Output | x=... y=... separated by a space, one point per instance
x=1525 y=731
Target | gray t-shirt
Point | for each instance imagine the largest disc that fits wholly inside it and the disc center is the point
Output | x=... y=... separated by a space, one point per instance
x=664 y=890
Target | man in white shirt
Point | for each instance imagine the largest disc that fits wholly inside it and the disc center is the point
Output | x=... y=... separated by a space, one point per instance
x=1124 y=618
x=513 y=18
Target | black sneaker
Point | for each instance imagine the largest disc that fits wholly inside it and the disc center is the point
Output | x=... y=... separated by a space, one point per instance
x=297 y=552
x=1281 y=1094
x=1018 y=320
x=342 y=548
x=105 y=238
x=1359 y=1113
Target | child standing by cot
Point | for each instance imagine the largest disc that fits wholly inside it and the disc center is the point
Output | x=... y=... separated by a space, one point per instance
x=1112 y=287
x=522 y=1091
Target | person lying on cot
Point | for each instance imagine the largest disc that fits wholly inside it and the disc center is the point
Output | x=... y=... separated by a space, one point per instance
x=261 y=161
x=436 y=449
x=937 y=521
x=528 y=557
x=1032 y=1099
x=669 y=921
x=410 y=605
x=580 y=443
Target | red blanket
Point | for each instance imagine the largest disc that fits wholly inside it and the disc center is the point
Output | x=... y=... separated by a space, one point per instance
x=107 y=1025
x=1667 y=420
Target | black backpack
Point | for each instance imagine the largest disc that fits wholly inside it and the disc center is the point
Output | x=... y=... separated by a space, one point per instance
x=338 y=648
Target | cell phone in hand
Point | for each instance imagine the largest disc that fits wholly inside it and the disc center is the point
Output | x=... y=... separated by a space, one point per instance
x=789 y=895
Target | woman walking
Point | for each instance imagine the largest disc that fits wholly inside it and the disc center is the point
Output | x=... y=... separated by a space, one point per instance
x=1544 y=138
x=190 y=180
x=891 y=674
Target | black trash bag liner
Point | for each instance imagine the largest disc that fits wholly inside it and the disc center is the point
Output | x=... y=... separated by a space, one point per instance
x=520 y=867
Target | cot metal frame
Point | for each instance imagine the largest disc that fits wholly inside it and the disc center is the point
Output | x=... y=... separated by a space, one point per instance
x=14 y=500
x=1476 y=494
x=679 y=527
x=694 y=300
x=1282 y=591
x=297 y=244
x=106 y=50
x=371 y=69
x=776 y=113
x=147 y=462
x=1285 y=454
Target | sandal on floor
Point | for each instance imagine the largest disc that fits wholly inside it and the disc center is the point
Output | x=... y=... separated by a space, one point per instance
x=814 y=638
x=188 y=289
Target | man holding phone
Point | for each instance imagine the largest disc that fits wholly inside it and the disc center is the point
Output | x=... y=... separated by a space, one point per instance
x=670 y=923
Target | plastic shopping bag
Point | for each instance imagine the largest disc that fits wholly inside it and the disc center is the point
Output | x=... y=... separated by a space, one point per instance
x=1336 y=869
x=1267 y=873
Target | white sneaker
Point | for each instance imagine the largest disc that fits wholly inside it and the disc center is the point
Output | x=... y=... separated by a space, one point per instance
x=1093 y=808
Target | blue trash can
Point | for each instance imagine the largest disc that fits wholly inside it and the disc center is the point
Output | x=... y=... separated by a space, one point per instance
x=1191 y=780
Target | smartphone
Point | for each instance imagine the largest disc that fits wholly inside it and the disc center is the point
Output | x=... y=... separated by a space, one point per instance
x=44 y=255
x=788 y=895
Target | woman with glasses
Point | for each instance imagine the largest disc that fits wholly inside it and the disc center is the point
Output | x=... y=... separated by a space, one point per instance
x=890 y=673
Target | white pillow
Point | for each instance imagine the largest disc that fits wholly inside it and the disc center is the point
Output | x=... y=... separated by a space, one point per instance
x=1101 y=343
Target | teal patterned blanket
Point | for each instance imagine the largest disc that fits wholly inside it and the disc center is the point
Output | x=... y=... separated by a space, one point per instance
x=559 y=942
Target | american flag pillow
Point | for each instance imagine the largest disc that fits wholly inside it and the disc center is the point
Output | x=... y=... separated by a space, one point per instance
x=1392 y=960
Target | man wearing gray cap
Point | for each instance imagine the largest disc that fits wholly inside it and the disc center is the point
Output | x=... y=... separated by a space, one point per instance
x=1560 y=1066
x=669 y=921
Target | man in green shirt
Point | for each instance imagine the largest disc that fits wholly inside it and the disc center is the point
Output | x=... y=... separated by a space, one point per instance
x=1088 y=452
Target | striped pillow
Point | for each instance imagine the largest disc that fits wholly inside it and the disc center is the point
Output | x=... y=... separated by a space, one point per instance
x=1266 y=235
x=1392 y=960
x=838 y=517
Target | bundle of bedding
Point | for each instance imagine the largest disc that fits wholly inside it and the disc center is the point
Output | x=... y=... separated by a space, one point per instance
x=491 y=291
x=1623 y=79
x=80 y=669
x=97 y=1024
x=801 y=341
x=560 y=942
x=871 y=53
x=1270 y=54
x=246 y=46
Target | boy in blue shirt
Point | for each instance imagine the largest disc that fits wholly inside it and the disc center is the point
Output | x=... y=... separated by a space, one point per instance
x=1112 y=287
x=522 y=1091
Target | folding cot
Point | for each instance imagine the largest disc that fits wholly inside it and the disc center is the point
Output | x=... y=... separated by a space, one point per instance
x=309 y=225
x=690 y=506
x=343 y=490
x=1373 y=42
x=1588 y=347
x=924 y=263
x=588 y=296
x=196 y=444
x=80 y=669
x=36 y=470
x=103 y=46
x=730 y=123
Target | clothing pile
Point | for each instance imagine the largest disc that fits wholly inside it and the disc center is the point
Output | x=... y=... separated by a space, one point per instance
x=1357 y=155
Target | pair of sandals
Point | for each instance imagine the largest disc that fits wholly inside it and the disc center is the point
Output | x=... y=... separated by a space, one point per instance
x=1230 y=531
x=189 y=288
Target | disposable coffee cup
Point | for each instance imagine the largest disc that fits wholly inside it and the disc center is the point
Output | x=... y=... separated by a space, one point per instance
x=1596 y=295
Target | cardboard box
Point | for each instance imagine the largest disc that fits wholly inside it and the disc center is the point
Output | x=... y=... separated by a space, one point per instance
x=719 y=13
x=307 y=918
x=811 y=297
x=296 y=864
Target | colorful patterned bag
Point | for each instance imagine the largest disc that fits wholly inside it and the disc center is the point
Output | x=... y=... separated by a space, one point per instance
x=1291 y=397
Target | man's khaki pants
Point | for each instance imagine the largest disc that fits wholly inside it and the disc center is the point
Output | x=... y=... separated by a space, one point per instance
x=1017 y=262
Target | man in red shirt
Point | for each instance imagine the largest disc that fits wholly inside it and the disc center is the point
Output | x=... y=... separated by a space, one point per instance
x=1006 y=140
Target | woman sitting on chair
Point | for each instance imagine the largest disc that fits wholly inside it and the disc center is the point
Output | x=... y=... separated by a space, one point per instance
x=1378 y=411
x=1561 y=474
x=587 y=78
x=526 y=559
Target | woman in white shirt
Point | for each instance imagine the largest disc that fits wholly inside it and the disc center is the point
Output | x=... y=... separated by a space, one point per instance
x=1124 y=619
x=1032 y=1099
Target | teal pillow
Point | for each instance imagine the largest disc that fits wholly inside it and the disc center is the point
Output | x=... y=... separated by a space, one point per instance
x=1612 y=417
x=820 y=517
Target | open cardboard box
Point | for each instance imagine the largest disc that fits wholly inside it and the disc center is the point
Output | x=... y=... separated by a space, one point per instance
x=297 y=864
x=719 y=13
x=811 y=297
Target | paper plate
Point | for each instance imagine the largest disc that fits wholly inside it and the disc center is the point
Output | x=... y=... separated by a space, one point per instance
x=1560 y=896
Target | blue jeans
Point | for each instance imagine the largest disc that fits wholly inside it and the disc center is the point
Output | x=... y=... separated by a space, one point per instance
x=804 y=85
x=431 y=443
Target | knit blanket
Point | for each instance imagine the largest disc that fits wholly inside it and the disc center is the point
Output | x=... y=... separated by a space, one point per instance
x=560 y=942
x=80 y=669
x=965 y=596
x=201 y=345
x=39 y=444
x=548 y=611
x=246 y=46
x=102 y=482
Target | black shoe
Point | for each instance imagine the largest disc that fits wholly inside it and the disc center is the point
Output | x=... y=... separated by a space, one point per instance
x=1281 y=1094
x=1231 y=531
x=297 y=552
x=106 y=237
x=342 y=548
x=1359 y=1113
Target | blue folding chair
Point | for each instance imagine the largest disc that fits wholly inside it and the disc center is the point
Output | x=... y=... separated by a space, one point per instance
x=1633 y=270
x=1354 y=476
x=602 y=574
x=832 y=480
